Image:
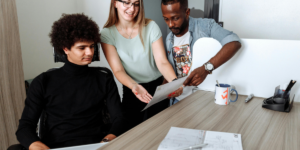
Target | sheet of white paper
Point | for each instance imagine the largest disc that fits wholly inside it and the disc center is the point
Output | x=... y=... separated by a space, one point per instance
x=85 y=147
x=187 y=91
x=163 y=91
x=178 y=138
x=222 y=141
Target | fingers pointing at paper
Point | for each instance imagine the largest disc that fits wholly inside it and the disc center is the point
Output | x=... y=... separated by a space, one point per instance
x=196 y=77
x=141 y=93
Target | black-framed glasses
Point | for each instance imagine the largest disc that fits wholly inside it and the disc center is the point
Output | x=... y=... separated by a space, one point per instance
x=129 y=4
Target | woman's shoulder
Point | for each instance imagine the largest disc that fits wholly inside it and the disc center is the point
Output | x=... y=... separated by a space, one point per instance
x=107 y=30
x=150 y=23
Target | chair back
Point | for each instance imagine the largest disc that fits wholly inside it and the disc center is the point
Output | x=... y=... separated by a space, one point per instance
x=41 y=129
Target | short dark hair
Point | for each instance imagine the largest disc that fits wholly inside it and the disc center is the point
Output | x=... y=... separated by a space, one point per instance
x=183 y=3
x=71 y=28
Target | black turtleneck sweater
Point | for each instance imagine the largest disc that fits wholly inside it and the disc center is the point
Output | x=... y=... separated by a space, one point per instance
x=72 y=97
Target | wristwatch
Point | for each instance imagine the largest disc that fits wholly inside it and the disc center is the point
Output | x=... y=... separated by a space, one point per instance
x=209 y=67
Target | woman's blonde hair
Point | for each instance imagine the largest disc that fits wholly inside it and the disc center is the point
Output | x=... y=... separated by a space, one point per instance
x=140 y=19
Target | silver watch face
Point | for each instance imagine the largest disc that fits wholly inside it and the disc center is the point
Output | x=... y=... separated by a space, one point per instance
x=209 y=67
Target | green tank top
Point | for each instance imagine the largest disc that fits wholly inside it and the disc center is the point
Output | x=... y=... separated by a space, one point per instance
x=138 y=62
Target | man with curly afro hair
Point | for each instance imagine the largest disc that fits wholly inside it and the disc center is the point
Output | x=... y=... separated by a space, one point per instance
x=72 y=28
x=75 y=98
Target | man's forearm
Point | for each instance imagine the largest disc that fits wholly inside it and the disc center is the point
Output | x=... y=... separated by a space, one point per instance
x=198 y=75
x=226 y=53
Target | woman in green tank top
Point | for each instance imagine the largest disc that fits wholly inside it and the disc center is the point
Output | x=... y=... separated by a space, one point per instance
x=133 y=47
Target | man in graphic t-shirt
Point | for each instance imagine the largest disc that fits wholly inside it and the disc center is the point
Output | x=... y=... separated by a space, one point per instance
x=185 y=32
x=182 y=55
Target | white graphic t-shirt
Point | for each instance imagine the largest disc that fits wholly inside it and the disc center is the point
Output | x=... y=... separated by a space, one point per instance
x=183 y=60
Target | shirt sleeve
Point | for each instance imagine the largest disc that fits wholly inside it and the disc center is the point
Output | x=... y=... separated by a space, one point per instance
x=222 y=35
x=155 y=32
x=34 y=104
x=113 y=101
x=107 y=36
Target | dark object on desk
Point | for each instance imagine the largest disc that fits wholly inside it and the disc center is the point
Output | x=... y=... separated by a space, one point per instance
x=288 y=88
x=278 y=104
x=280 y=101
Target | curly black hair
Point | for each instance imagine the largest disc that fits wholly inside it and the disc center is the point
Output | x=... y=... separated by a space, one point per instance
x=71 y=28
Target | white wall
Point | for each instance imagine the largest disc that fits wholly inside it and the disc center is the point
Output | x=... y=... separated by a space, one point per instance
x=258 y=67
x=153 y=11
x=197 y=8
x=35 y=19
x=197 y=4
x=262 y=19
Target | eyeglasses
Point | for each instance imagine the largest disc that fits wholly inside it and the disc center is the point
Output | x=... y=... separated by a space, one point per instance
x=128 y=4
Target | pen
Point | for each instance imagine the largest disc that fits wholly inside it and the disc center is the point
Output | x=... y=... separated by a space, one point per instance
x=195 y=146
x=249 y=98
x=292 y=82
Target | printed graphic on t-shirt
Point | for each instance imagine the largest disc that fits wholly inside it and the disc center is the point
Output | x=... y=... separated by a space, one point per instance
x=183 y=59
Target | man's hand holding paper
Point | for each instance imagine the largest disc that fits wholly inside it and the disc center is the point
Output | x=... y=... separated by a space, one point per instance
x=163 y=91
x=176 y=93
x=196 y=77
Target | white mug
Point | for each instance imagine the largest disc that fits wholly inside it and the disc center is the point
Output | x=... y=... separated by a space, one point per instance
x=222 y=94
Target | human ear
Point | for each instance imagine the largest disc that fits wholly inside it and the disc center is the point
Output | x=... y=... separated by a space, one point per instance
x=187 y=12
x=66 y=50
x=115 y=3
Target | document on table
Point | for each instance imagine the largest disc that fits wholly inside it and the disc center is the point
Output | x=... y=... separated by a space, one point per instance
x=180 y=138
x=85 y=147
x=163 y=91
x=222 y=141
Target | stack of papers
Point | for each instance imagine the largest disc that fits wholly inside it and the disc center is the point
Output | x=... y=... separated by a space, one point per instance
x=180 y=138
